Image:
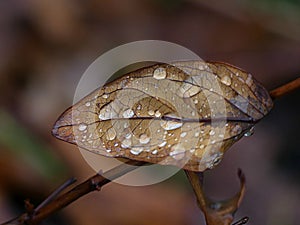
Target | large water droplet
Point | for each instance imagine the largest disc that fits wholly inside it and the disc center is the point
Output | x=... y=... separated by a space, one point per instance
x=250 y=132
x=82 y=127
x=144 y=139
x=136 y=150
x=170 y=125
x=128 y=113
x=226 y=80
x=111 y=134
x=160 y=73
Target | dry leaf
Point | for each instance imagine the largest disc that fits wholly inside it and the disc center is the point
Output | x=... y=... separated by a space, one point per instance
x=186 y=114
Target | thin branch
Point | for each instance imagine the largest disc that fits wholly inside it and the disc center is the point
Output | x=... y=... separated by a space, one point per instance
x=94 y=183
x=285 y=89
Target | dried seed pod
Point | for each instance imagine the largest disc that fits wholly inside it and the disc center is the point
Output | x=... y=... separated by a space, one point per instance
x=186 y=114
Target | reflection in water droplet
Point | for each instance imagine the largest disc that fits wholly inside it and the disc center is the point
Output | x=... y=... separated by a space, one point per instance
x=111 y=134
x=136 y=150
x=250 y=132
x=170 y=125
x=128 y=113
x=144 y=139
x=160 y=73
x=82 y=127
x=226 y=80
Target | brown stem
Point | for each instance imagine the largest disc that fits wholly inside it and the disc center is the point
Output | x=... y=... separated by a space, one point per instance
x=92 y=184
x=285 y=89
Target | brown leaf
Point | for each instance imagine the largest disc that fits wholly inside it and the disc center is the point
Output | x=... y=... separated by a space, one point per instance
x=186 y=114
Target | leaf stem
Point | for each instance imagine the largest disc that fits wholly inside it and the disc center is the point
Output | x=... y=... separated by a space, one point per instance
x=285 y=89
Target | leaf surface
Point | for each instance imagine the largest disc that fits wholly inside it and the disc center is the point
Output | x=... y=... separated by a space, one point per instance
x=185 y=114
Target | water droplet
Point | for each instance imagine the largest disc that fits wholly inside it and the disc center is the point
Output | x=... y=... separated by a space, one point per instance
x=183 y=134
x=87 y=104
x=136 y=150
x=126 y=143
x=170 y=125
x=226 y=80
x=154 y=152
x=160 y=73
x=82 y=127
x=250 y=132
x=105 y=96
x=157 y=113
x=249 y=80
x=236 y=130
x=144 y=139
x=177 y=151
x=162 y=144
x=128 y=113
x=128 y=136
x=111 y=134
x=151 y=112
x=215 y=160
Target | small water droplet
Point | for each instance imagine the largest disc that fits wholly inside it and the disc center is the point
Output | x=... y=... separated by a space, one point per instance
x=177 y=151
x=111 y=134
x=226 y=80
x=128 y=113
x=183 y=134
x=154 y=152
x=82 y=127
x=105 y=96
x=249 y=80
x=151 y=112
x=87 y=104
x=157 y=113
x=136 y=150
x=212 y=133
x=126 y=143
x=216 y=159
x=170 y=125
x=128 y=136
x=144 y=139
x=237 y=129
x=162 y=144
x=160 y=73
x=250 y=132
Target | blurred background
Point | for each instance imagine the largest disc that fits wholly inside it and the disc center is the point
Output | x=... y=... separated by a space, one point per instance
x=46 y=45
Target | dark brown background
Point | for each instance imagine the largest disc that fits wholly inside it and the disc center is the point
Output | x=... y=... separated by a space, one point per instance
x=45 y=46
